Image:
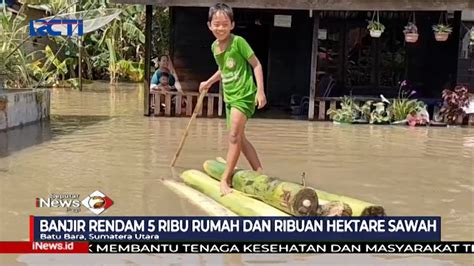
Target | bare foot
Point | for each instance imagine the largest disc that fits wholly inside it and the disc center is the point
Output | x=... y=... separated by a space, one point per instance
x=225 y=188
x=260 y=170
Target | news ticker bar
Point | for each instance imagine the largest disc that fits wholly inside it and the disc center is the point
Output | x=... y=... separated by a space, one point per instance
x=240 y=247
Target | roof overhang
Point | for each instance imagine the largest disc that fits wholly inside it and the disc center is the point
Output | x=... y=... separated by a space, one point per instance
x=354 y=5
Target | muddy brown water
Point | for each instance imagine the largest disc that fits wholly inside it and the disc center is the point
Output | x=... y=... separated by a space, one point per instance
x=99 y=139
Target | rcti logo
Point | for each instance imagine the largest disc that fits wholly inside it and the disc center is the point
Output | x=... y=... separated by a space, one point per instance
x=97 y=202
x=69 y=201
x=56 y=27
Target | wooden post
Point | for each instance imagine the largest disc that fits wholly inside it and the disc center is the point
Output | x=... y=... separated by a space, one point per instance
x=157 y=104
x=146 y=94
x=322 y=110
x=177 y=107
x=210 y=106
x=168 y=104
x=314 y=66
x=189 y=105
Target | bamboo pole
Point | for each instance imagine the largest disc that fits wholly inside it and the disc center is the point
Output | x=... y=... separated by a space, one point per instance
x=186 y=131
x=236 y=201
x=289 y=197
x=215 y=169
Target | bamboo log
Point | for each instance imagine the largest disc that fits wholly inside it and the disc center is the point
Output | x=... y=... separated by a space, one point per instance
x=236 y=201
x=197 y=198
x=333 y=208
x=358 y=207
x=289 y=197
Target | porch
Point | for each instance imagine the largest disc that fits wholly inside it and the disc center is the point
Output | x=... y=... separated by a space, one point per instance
x=324 y=43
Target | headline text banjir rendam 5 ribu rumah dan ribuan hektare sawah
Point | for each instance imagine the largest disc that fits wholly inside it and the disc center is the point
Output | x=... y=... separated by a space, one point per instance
x=234 y=225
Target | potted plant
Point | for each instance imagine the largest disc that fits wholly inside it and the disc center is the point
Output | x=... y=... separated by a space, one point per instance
x=376 y=29
x=411 y=32
x=347 y=114
x=442 y=31
x=454 y=103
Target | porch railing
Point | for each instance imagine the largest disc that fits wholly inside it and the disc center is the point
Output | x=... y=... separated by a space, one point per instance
x=182 y=104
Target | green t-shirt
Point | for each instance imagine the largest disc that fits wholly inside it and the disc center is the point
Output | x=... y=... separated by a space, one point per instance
x=236 y=72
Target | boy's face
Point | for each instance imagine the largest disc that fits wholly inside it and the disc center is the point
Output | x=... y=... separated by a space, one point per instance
x=221 y=26
x=164 y=80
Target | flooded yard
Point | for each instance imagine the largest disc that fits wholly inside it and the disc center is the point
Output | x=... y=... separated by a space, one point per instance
x=99 y=139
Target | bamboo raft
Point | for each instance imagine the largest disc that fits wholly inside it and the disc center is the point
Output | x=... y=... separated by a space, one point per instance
x=255 y=194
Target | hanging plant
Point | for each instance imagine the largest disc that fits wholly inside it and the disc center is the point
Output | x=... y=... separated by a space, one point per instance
x=442 y=30
x=375 y=27
x=411 y=31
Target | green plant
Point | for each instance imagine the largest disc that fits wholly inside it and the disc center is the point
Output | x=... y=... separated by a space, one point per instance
x=348 y=112
x=13 y=58
x=365 y=110
x=375 y=26
x=380 y=115
x=442 y=28
x=401 y=107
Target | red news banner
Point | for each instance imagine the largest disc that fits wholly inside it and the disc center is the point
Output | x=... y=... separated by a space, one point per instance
x=44 y=247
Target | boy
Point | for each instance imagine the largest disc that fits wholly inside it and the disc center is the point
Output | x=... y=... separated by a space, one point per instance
x=164 y=84
x=235 y=60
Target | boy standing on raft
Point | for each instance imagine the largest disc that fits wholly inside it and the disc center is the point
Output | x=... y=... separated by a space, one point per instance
x=235 y=60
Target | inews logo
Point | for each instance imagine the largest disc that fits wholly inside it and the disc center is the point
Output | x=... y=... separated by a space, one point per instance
x=97 y=202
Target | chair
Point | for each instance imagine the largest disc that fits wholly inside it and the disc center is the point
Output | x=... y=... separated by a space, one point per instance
x=328 y=82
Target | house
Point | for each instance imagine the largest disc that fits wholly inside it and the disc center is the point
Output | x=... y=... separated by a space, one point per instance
x=322 y=49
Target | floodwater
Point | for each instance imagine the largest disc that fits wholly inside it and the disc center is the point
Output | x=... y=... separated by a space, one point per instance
x=99 y=139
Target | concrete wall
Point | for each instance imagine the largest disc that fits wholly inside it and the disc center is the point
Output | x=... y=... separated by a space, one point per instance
x=19 y=108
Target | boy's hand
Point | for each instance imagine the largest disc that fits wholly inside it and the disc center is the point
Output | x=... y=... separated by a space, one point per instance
x=204 y=87
x=261 y=100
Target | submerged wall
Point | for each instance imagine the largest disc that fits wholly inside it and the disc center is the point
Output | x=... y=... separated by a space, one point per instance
x=19 y=108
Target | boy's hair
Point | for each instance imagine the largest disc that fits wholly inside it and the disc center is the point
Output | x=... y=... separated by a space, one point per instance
x=165 y=74
x=221 y=7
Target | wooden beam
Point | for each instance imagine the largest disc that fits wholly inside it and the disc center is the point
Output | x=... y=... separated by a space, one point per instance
x=356 y=5
x=146 y=94
x=314 y=66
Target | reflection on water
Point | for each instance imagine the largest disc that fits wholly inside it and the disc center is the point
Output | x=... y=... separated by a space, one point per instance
x=99 y=140
x=33 y=134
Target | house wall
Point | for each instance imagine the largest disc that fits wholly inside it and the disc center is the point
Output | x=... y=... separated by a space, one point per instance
x=282 y=51
x=285 y=52
x=191 y=47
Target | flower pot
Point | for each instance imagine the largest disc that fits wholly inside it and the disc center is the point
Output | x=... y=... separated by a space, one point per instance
x=375 y=33
x=411 y=37
x=441 y=36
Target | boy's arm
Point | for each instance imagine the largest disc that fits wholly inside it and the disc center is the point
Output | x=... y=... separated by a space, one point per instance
x=208 y=83
x=258 y=71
